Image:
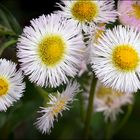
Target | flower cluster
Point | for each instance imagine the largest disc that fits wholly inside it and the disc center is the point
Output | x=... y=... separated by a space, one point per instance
x=61 y=46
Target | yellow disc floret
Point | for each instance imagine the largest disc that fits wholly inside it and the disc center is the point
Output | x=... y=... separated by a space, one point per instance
x=108 y=95
x=125 y=57
x=4 y=86
x=105 y=91
x=60 y=105
x=51 y=49
x=136 y=10
x=84 y=10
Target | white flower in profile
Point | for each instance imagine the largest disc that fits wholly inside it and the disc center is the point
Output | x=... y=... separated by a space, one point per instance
x=11 y=84
x=89 y=12
x=115 y=59
x=110 y=101
x=50 y=50
x=56 y=105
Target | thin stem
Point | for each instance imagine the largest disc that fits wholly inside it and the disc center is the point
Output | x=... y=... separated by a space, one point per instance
x=90 y=108
x=82 y=108
x=126 y=117
x=6 y=45
x=108 y=133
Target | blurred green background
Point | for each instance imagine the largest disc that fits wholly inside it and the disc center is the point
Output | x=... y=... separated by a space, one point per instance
x=18 y=121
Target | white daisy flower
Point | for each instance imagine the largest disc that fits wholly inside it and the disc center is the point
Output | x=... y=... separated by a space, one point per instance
x=11 y=84
x=116 y=59
x=109 y=101
x=56 y=105
x=129 y=12
x=89 y=12
x=50 y=50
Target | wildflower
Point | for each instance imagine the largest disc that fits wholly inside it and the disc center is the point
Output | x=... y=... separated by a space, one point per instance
x=11 y=84
x=89 y=12
x=129 y=13
x=115 y=59
x=56 y=105
x=110 y=101
x=50 y=50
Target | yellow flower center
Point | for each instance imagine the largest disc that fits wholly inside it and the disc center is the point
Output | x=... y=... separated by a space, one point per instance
x=4 y=86
x=108 y=95
x=59 y=107
x=136 y=10
x=104 y=92
x=85 y=10
x=125 y=57
x=51 y=50
x=109 y=101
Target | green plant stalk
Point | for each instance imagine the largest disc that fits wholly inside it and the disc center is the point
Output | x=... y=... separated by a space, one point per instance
x=90 y=108
x=82 y=108
x=108 y=132
x=126 y=117
x=6 y=45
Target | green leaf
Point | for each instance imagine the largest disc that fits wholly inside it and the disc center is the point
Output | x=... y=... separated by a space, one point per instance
x=6 y=31
x=9 y=20
x=6 y=45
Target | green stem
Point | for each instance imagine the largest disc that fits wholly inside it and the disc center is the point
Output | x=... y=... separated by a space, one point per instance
x=90 y=108
x=6 y=45
x=126 y=117
x=108 y=133
x=82 y=108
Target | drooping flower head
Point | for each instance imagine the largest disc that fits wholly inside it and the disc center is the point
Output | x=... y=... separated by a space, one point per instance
x=129 y=12
x=110 y=101
x=50 y=50
x=11 y=84
x=89 y=12
x=56 y=105
x=116 y=59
